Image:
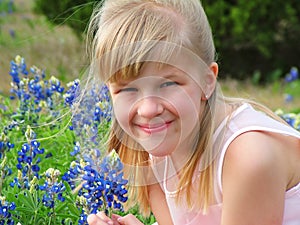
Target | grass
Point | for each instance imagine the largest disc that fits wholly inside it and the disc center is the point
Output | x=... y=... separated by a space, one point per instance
x=272 y=95
x=54 y=48
x=57 y=49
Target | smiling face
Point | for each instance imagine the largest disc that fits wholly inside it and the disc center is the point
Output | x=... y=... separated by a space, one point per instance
x=159 y=109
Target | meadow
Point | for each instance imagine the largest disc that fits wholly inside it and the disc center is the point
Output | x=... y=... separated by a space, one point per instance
x=53 y=169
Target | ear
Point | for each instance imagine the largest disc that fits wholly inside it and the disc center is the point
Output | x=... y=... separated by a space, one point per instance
x=210 y=81
x=215 y=69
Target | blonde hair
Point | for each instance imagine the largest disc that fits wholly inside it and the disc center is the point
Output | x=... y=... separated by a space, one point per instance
x=134 y=28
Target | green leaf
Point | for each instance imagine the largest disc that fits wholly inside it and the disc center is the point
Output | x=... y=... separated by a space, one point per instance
x=74 y=210
x=27 y=201
x=60 y=207
x=67 y=216
x=24 y=209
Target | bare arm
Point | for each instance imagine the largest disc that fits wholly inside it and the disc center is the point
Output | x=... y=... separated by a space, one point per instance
x=254 y=181
x=159 y=205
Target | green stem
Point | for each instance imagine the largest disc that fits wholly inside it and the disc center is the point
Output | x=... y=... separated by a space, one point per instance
x=106 y=209
x=50 y=221
x=53 y=209
x=2 y=174
x=34 y=219
x=1 y=180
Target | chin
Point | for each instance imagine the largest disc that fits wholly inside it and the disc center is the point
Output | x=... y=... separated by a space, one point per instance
x=159 y=152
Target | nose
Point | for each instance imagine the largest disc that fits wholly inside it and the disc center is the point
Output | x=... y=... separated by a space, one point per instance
x=149 y=107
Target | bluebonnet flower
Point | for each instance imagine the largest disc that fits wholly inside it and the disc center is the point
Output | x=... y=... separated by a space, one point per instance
x=52 y=188
x=76 y=149
x=83 y=218
x=5 y=144
x=292 y=75
x=12 y=33
x=109 y=183
x=28 y=160
x=92 y=112
x=292 y=119
x=288 y=98
x=5 y=147
x=4 y=171
x=33 y=91
x=56 y=85
x=5 y=208
x=291 y=79
x=74 y=172
x=73 y=92
x=10 y=6
x=100 y=188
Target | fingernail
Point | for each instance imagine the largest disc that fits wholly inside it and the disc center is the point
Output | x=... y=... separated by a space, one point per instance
x=110 y=222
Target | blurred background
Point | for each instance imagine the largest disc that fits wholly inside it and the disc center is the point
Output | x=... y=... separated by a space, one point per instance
x=257 y=44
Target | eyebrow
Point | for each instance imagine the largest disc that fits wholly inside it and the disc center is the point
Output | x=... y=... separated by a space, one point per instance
x=121 y=82
x=171 y=76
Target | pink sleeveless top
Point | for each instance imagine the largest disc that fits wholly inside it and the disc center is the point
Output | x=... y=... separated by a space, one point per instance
x=244 y=119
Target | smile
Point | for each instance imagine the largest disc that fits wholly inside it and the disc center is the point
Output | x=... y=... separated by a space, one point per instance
x=154 y=128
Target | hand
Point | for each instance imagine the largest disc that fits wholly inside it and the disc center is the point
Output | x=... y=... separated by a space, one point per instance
x=101 y=219
x=126 y=220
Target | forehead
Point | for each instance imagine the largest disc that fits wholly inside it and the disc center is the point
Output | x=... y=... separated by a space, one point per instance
x=127 y=62
x=159 y=69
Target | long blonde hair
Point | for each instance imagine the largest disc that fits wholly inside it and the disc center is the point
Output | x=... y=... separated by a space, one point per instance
x=134 y=28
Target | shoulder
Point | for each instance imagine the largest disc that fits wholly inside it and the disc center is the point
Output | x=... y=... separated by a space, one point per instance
x=258 y=154
x=254 y=179
x=260 y=151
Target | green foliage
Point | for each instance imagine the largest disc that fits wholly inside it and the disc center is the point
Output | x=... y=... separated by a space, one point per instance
x=249 y=35
x=6 y=6
x=293 y=88
x=74 y=13
x=255 y=35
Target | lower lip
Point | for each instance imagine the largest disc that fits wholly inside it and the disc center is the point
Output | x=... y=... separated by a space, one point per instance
x=155 y=129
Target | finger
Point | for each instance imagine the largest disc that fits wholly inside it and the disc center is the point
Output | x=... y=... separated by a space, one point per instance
x=103 y=216
x=129 y=220
x=93 y=219
x=115 y=218
x=99 y=219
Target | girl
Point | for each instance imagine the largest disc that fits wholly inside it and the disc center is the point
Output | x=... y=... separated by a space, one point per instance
x=191 y=155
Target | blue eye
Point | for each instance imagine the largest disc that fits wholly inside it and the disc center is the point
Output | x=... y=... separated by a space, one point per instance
x=169 y=83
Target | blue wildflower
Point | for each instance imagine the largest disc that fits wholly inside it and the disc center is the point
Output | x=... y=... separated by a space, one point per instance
x=292 y=75
x=288 y=98
x=5 y=208
x=52 y=188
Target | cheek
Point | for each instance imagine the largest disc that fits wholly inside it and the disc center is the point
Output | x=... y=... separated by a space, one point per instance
x=123 y=113
x=187 y=103
x=188 y=109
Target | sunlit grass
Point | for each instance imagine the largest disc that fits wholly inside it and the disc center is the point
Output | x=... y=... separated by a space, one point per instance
x=55 y=48
x=272 y=95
